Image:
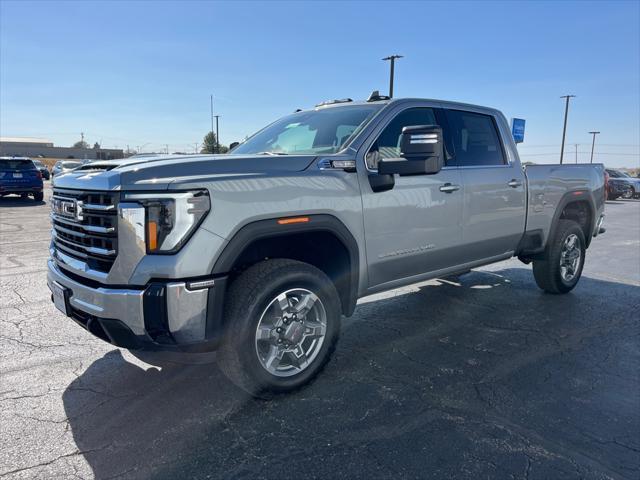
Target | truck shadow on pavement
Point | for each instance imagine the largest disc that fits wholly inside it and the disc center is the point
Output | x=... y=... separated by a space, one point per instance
x=19 y=202
x=475 y=377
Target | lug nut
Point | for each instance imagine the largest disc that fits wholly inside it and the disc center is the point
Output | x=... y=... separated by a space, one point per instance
x=279 y=330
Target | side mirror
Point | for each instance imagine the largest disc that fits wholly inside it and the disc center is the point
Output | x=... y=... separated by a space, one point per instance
x=233 y=145
x=421 y=152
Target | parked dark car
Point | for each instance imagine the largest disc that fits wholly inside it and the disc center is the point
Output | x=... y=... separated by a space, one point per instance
x=43 y=169
x=20 y=176
x=64 y=166
x=622 y=182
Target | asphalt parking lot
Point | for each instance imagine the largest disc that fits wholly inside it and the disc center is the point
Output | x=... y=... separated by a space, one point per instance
x=483 y=376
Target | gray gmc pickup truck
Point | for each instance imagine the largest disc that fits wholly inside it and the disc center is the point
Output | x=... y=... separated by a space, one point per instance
x=259 y=253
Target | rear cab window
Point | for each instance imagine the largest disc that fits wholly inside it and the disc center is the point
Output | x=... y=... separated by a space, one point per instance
x=475 y=139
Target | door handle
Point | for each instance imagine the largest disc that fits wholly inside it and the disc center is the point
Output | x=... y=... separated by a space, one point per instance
x=515 y=183
x=449 y=188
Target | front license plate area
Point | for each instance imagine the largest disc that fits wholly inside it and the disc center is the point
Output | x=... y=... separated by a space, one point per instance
x=60 y=297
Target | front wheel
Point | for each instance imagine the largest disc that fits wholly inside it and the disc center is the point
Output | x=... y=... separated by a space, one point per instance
x=283 y=320
x=561 y=268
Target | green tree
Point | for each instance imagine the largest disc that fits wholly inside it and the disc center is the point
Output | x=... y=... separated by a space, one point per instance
x=209 y=144
x=81 y=144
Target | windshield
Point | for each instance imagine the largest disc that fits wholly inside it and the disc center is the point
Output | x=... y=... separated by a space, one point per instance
x=16 y=165
x=313 y=132
x=70 y=164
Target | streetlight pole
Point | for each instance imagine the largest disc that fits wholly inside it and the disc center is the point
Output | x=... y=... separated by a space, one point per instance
x=564 y=129
x=217 y=135
x=593 y=144
x=392 y=59
x=211 y=113
x=576 y=145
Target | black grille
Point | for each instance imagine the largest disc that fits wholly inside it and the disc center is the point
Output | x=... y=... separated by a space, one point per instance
x=85 y=226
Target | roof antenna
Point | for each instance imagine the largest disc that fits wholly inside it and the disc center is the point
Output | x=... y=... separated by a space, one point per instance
x=375 y=96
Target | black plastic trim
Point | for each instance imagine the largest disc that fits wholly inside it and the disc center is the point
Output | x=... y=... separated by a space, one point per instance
x=571 y=197
x=215 y=308
x=271 y=228
x=154 y=306
x=531 y=243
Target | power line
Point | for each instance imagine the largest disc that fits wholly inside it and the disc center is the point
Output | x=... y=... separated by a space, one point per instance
x=522 y=145
x=599 y=153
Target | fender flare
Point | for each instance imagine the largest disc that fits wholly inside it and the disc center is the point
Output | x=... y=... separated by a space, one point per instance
x=571 y=197
x=270 y=228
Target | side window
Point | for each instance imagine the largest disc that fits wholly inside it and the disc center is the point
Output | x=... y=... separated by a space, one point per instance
x=475 y=139
x=387 y=145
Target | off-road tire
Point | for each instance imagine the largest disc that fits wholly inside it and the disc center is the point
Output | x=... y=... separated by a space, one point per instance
x=547 y=271
x=246 y=300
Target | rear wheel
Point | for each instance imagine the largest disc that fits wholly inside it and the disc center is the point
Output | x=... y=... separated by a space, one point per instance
x=283 y=320
x=38 y=196
x=629 y=193
x=561 y=269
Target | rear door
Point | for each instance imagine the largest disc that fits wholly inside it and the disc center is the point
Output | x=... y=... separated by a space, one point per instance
x=494 y=198
x=413 y=228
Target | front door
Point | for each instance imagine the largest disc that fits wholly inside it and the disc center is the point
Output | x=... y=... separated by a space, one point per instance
x=415 y=227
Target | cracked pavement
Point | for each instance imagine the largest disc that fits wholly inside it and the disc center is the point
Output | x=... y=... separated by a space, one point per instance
x=481 y=376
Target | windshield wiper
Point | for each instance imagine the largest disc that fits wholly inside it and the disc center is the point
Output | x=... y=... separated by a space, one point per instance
x=272 y=153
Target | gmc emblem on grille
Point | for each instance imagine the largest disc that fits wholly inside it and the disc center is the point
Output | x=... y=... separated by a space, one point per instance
x=71 y=208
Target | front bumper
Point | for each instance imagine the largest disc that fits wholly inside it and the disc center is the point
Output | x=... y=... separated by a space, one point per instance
x=160 y=316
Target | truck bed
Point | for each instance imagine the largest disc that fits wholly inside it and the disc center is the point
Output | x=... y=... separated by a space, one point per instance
x=548 y=184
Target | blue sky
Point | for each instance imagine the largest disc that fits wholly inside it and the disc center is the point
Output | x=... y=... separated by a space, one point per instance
x=141 y=73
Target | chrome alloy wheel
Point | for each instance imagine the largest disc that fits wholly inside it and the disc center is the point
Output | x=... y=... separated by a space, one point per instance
x=570 y=257
x=291 y=332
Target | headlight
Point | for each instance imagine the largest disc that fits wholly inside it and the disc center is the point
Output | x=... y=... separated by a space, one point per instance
x=171 y=218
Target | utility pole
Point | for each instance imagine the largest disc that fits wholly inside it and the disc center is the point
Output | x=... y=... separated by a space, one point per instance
x=564 y=129
x=392 y=59
x=211 y=113
x=576 y=145
x=217 y=135
x=166 y=148
x=593 y=144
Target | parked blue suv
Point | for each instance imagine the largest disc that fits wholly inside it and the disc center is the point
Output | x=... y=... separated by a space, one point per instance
x=20 y=176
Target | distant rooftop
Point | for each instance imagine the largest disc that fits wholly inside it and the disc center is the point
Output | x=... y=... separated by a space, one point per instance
x=24 y=140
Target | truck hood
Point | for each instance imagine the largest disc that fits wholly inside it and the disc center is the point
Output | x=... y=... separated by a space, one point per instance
x=162 y=171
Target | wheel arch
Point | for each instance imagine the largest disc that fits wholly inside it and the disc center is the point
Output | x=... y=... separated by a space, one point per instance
x=321 y=240
x=579 y=207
